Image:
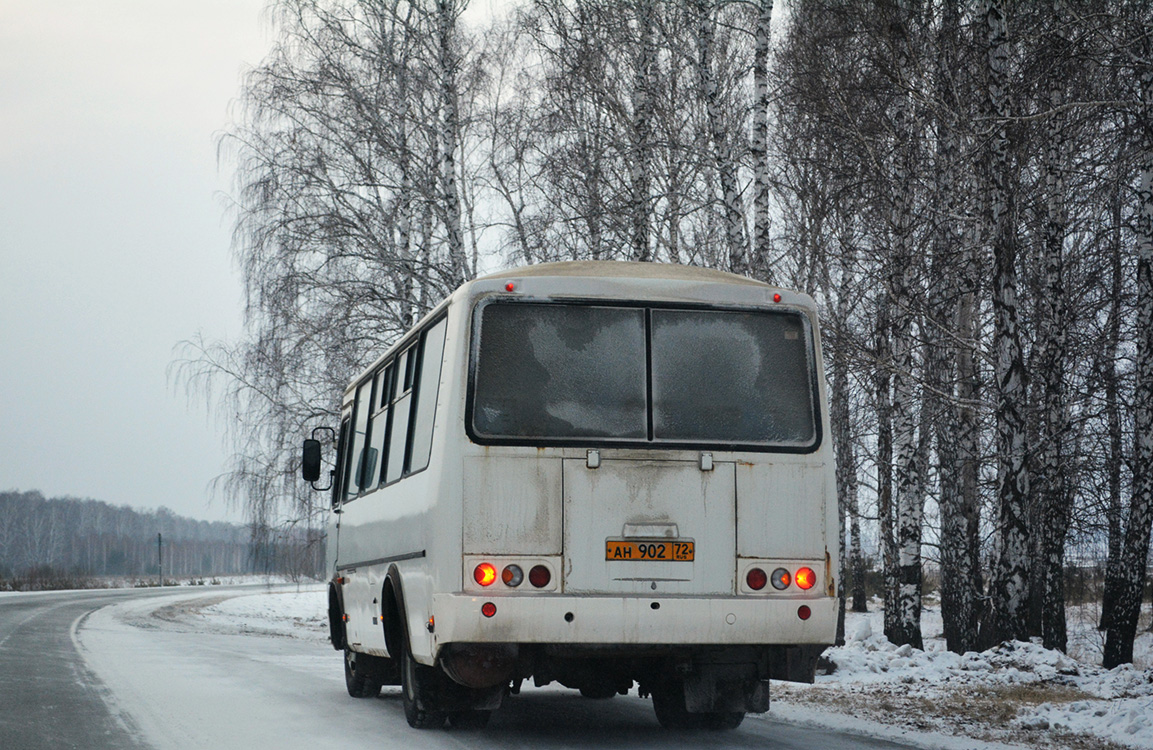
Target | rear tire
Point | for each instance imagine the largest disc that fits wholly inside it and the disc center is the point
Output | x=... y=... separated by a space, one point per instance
x=469 y=719
x=599 y=692
x=360 y=683
x=418 y=692
x=669 y=705
x=723 y=720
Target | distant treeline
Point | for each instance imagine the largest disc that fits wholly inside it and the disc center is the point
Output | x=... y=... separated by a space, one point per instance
x=42 y=538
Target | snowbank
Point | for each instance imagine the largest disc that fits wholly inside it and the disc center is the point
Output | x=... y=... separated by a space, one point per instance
x=1116 y=704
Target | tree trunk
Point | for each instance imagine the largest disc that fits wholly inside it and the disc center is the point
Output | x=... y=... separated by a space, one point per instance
x=759 y=263
x=881 y=386
x=734 y=211
x=1006 y=618
x=949 y=306
x=1130 y=574
x=909 y=498
x=450 y=141
x=1115 y=458
x=642 y=158
x=1052 y=524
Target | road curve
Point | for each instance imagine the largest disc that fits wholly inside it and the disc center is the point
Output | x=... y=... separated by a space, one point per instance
x=49 y=696
x=144 y=678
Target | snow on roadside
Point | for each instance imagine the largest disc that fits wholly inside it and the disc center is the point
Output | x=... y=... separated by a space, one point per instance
x=296 y=614
x=1052 y=694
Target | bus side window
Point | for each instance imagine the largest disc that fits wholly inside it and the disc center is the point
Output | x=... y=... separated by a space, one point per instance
x=377 y=431
x=359 y=430
x=398 y=419
x=427 y=388
x=341 y=461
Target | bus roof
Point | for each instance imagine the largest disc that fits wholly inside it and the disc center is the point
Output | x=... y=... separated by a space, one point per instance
x=626 y=270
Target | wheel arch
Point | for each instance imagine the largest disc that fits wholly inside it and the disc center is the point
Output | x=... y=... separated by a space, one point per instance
x=393 y=613
x=337 y=632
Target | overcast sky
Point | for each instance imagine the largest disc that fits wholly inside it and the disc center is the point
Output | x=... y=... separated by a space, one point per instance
x=114 y=245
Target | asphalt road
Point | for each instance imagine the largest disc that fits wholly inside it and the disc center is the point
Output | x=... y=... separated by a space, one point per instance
x=139 y=680
x=48 y=697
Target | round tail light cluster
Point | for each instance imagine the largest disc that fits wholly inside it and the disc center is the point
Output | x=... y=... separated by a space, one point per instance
x=512 y=575
x=781 y=578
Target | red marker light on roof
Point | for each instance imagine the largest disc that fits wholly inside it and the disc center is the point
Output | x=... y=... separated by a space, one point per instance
x=776 y=297
x=509 y=286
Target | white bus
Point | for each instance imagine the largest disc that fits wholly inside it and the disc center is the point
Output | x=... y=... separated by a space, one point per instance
x=603 y=474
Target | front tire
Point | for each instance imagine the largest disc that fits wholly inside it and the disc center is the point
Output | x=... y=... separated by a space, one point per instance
x=418 y=693
x=361 y=683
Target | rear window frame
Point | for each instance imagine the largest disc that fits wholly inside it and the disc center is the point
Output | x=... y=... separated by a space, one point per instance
x=634 y=443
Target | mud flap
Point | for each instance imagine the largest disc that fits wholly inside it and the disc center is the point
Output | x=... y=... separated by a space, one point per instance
x=446 y=695
x=794 y=663
x=713 y=688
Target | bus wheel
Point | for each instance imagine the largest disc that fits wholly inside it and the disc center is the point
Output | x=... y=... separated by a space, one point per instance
x=723 y=719
x=418 y=693
x=360 y=683
x=469 y=719
x=669 y=705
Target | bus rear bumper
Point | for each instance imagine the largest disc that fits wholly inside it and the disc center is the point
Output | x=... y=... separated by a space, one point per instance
x=623 y=621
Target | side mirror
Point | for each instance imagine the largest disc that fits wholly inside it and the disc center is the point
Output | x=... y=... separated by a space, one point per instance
x=310 y=460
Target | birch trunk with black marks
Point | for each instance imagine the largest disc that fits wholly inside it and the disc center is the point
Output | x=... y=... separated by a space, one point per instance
x=1053 y=454
x=1129 y=575
x=734 y=210
x=404 y=198
x=643 y=117
x=1006 y=617
x=447 y=12
x=846 y=460
x=1115 y=458
x=759 y=264
x=882 y=394
x=847 y=481
x=909 y=495
x=950 y=303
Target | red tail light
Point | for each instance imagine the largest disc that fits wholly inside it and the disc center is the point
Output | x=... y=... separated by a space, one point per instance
x=756 y=578
x=806 y=578
x=485 y=574
x=539 y=576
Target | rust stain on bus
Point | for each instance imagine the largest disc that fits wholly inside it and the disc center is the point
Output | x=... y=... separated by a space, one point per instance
x=830 y=584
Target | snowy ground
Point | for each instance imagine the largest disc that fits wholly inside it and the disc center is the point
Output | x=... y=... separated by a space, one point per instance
x=1016 y=696
x=1018 y=693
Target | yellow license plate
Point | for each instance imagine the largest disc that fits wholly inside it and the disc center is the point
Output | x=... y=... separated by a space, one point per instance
x=658 y=551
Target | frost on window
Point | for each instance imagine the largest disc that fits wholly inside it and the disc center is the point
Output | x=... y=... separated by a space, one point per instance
x=731 y=377
x=561 y=371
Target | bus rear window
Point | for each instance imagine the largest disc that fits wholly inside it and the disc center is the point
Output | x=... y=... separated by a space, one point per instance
x=731 y=377
x=560 y=371
x=567 y=373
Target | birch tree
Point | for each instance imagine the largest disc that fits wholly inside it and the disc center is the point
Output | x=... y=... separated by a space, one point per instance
x=1129 y=572
x=1006 y=617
